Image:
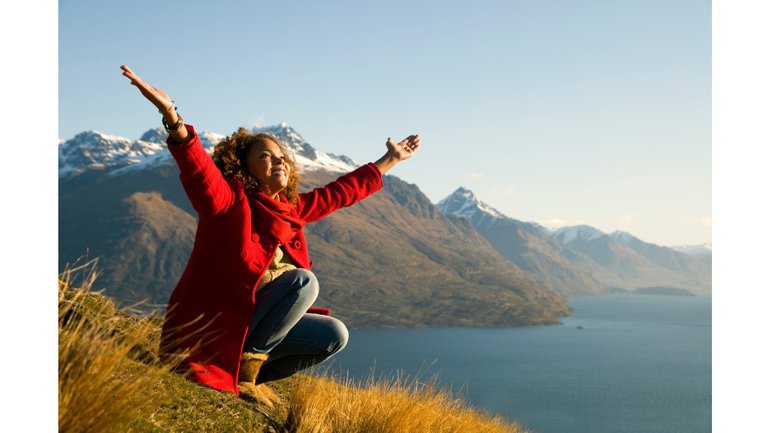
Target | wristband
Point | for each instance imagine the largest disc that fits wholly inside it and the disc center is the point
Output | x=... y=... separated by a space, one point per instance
x=169 y=107
x=175 y=127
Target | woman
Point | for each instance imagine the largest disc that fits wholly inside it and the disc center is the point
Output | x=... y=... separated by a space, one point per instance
x=240 y=315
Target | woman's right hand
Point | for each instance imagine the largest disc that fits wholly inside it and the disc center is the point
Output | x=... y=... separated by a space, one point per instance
x=160 y=100
x=158 y=97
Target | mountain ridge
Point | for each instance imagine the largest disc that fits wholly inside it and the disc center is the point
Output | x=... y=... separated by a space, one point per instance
x=584 y=259
x=94 y=150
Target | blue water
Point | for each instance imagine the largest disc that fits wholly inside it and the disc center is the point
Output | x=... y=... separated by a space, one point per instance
x=639 y=364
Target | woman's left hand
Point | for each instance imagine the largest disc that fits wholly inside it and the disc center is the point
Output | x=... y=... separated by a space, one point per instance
x=405 y=148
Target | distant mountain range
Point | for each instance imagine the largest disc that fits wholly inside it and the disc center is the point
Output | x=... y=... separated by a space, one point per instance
x=393 y=260
x=93 y=151
x=582 y=259
x=700 y=251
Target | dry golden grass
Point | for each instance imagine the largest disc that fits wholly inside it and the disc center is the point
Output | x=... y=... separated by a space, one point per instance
x=110 y=380
x=323 y=404
x=96 y=346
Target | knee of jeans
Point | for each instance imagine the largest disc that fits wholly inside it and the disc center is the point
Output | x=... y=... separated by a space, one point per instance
x=339 y=336
x=308 y=287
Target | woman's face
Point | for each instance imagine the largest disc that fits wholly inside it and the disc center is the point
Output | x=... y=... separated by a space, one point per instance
x=267 y=163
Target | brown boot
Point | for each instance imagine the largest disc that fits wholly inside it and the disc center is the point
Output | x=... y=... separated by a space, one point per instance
x=247 y=388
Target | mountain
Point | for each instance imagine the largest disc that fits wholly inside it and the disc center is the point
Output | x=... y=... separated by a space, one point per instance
x=694 y=250
x=622 y=261
x=530 y=246
x=567 y=235
x=94 y=151
x=701 y=252
x=665 y=257
x=393 y=260
x=580 y=259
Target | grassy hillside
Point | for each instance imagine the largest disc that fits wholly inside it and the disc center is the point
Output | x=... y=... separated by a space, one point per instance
x=110 y=379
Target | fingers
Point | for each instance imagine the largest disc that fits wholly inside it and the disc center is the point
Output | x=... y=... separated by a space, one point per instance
x=128 y=72
x=158 y=98
x=134 y=79
x=411 y=143
x=414 y=144
x=131 y=75
x=405 y=148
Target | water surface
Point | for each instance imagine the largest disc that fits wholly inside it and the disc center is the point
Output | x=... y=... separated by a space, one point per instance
x=619 y=364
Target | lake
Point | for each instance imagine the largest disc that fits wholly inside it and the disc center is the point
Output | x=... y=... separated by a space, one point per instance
x=619 y=364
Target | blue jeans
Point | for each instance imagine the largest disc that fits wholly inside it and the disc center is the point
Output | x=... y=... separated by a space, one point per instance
x=294 y=339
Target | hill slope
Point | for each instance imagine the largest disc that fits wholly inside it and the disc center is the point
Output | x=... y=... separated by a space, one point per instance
x=110 y=381
x=528 y=245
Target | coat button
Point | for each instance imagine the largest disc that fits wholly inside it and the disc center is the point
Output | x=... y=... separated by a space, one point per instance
x=297 y=245
x=244 y=254
x=254 y=237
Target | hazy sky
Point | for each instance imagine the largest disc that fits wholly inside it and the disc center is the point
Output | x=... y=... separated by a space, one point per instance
x=558 y=112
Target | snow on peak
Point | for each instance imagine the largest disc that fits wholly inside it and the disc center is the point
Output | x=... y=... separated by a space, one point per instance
x=623 y=237
x=464 y=204
x=286 y=134
x=694 y=250
x=95 y=150
x=307 y=157
x=569 y=234
x=209 y=139
x=156 y=135
x=465 y=193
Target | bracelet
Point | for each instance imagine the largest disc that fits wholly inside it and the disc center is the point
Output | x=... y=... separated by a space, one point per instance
x=174 y=127
x=169 y=107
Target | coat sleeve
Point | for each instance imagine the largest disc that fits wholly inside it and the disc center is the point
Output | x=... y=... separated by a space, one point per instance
x=345 y=191
x=204 y=184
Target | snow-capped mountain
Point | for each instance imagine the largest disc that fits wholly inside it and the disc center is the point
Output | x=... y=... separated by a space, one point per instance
x=579 y=259
x=566 y=235
x=464 y=204
x=93 y=150
x=528 y=245
x=623 y=237
x=307 y=157
x=694 y=250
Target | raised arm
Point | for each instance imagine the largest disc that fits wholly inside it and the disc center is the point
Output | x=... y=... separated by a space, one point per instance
x=398 y=152
x=343 y=192
x=356 y=185
x=163 y=103
x=208 y=191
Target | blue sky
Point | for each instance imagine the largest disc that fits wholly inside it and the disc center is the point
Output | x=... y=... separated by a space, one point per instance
x=558 y=112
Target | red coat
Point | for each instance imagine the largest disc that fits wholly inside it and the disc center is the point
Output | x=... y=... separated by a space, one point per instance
x=211 y=307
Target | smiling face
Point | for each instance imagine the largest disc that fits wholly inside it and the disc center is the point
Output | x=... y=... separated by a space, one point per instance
x=267 y=163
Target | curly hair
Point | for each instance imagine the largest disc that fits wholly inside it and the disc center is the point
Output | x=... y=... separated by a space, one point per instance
x=230 y=157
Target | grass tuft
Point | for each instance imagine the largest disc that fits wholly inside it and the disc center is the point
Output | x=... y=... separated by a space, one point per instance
x=325 y=404
x=97 y=390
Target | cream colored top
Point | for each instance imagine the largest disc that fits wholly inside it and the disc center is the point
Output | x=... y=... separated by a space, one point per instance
x=280 y=264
